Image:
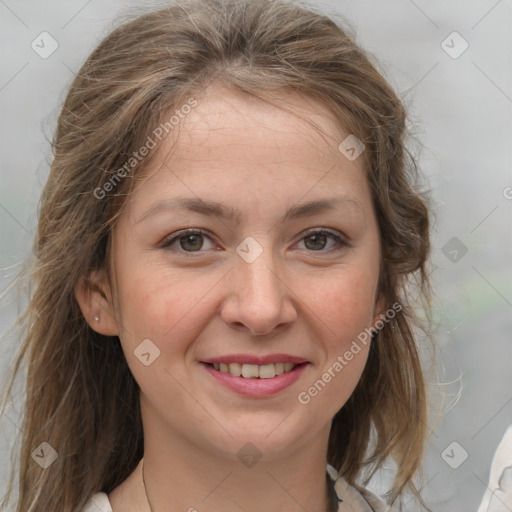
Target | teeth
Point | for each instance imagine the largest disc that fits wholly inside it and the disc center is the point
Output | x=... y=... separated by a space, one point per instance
x=267 y=371
x=253 y=371
x=235 y=369
x=250 y=371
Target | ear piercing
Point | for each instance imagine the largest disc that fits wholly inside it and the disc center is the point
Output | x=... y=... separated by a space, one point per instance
x=97 y=318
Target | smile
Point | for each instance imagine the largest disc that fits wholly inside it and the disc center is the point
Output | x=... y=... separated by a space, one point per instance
x=256 y=381
x=254 y=371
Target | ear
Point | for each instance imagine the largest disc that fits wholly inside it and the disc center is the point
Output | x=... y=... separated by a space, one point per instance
x=94 y=297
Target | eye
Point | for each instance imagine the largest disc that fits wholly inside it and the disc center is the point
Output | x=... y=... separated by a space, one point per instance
x=190 y=240
x=316 y=240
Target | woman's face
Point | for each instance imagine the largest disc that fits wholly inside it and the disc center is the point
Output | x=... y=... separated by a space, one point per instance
x=255 y=279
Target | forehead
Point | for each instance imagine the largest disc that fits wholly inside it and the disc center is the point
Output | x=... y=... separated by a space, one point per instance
x=232 y=142
x=230 y=118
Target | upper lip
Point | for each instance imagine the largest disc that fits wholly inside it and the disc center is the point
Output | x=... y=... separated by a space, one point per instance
x=259 y=360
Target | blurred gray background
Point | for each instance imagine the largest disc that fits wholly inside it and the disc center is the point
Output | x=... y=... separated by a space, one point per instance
x=451 y=62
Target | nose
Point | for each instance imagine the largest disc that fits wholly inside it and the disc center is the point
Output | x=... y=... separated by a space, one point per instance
x=258 y=301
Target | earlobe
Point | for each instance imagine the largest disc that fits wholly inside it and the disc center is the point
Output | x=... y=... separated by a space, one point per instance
x=94 y=297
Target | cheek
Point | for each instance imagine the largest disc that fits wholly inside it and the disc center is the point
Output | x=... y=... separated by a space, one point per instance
x=166 y=309
x=162 y=305
x=345 y=303
x=345 y=310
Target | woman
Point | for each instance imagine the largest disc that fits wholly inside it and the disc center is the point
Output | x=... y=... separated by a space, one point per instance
x=220 y=319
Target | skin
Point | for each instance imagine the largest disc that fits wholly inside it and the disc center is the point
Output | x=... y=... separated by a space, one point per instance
x=302 y=296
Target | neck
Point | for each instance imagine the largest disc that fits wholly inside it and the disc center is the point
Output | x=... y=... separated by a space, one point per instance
x=245 y=492
x=180 y=476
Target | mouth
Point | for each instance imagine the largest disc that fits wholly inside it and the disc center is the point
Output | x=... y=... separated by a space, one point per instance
x=254 y=371
x=255 y=380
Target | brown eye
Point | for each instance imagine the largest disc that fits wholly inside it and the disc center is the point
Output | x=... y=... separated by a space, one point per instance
x=191 y=242
x=317 y=240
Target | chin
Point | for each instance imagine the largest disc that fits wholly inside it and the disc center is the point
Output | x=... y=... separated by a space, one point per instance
x=269 y=439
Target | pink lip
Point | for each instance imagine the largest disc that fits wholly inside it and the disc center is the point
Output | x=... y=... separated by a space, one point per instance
x=257 y=388
x=259 y=360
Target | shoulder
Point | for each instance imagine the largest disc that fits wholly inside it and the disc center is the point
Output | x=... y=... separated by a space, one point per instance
x=355 y=498
x=98 y=503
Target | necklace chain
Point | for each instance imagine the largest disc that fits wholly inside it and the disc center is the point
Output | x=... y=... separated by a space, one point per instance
x=145 y=491
x=332 y=501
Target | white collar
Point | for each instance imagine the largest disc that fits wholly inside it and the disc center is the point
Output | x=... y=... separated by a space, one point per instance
x=352 y=499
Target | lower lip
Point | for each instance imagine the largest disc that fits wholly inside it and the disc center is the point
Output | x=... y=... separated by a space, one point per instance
x=257 y=387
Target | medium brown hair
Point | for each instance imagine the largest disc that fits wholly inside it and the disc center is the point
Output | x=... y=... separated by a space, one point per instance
x=81 y=397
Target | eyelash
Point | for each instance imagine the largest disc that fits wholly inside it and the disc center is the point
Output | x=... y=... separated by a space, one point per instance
x=342 y=244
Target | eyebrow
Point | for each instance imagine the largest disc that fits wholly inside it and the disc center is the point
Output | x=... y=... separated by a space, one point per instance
x=213 y=208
